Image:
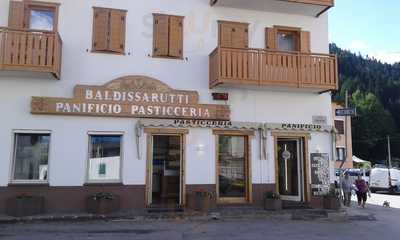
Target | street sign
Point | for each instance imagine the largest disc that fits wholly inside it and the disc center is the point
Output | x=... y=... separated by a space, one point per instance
x=346 y=112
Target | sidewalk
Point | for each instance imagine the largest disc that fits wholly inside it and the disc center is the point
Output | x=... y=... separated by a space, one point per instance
x=220 y=214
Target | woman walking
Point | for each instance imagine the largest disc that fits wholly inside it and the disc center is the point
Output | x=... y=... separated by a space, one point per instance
x=362 y=190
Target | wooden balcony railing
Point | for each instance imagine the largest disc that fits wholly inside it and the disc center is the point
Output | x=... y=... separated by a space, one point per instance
x=28 y=50
x=260 y=67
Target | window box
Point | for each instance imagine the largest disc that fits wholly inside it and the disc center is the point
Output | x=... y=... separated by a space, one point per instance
x=102 y=203
x=24 y=205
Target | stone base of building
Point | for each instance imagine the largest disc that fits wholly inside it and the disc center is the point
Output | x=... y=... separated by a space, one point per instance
x=132 y=197
x=73 y=199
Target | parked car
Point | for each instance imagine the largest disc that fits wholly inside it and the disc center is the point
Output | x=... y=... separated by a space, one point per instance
x=355 y=172
x=379 y=179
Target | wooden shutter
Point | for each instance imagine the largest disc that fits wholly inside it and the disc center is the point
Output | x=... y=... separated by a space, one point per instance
x=271 y=38
x=235 y=35
x=160 y=35
x=117 y=31
x=16 y=15
x=175 y=36
x=101 y=29
x=240 y=36
x=305 y=42
x=225 y=34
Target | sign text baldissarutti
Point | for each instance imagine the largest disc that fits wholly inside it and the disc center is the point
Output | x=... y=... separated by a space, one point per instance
x=133 y=96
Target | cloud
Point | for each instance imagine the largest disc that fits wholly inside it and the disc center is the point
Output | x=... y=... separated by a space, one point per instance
x=358 y=46
x=388 y=57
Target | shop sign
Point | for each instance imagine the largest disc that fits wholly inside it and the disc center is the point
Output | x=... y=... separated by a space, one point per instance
x=308 y=127
x=320 y=180
x=319 y=120
x=131 y=96
x=202 y=123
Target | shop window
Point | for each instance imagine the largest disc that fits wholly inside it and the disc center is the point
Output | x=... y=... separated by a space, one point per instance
x=233 y=34
x=109 y=28
x=339 y=125
x=33 y=15
x=31 y=157
x=168 y=36
x=233 y=166
x=340 y=154
x=288 y=39
x=104 y=158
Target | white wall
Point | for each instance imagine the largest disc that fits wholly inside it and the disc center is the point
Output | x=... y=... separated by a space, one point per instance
x=69 y=138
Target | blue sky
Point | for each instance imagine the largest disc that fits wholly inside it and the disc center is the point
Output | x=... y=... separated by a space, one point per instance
x=367 y=26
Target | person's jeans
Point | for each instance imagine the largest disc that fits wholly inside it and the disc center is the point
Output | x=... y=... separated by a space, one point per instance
x=347 y=198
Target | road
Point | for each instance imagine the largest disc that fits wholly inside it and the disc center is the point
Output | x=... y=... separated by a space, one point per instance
x=384 y=225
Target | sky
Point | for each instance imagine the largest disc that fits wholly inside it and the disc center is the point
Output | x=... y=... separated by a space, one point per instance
x=369 y=27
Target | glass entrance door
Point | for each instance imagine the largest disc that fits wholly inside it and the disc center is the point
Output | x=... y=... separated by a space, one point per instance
x=166 y=171
x=232 y=168
x=289 y=169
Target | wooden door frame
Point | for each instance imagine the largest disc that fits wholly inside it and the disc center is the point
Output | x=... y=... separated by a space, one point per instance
x=305 y=137
x=150 y=132
x=249 y=183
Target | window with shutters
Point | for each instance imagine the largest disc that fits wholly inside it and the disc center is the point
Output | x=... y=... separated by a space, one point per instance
x=168 y=36
x=109 y=26
x=288 y=39
x=233 y=34
x=33 y=15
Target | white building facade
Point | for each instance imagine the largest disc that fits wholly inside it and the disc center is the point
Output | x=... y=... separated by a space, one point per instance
x=138 y=118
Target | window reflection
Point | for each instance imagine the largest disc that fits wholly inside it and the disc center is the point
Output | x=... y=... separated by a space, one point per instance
x=232 y=173
x=105 y=157
x=287 y=41
x=31 y=156
x=41 y=19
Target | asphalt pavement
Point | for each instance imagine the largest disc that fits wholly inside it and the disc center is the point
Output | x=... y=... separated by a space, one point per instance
x=373 y=222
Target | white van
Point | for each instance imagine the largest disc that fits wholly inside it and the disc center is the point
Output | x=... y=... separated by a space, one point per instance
x=379 y=179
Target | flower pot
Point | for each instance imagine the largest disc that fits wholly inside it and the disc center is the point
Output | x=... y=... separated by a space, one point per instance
x=22 y=206
x=332 y=203
x=102 y=206
x=202 y=203
x=272 y=204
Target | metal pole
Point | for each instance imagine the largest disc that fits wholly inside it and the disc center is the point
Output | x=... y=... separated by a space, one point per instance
x=389 y=162
x=345 y=129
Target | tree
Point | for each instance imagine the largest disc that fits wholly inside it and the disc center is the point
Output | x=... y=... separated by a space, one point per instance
x=371 y=126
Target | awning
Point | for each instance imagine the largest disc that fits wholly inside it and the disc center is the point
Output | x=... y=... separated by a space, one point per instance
x=299 y=127
x=215 y=124
x=359 y=160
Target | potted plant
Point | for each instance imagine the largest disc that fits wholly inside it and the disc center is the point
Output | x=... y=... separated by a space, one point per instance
x=102 y=203
x=272 y=201
x=24 y=205
x=202 y=200
x=332 y=199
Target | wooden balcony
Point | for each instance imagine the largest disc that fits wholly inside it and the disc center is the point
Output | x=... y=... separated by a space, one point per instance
x=327 y=3
x=264 y=68
x=301 y=7
x=27 y=50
